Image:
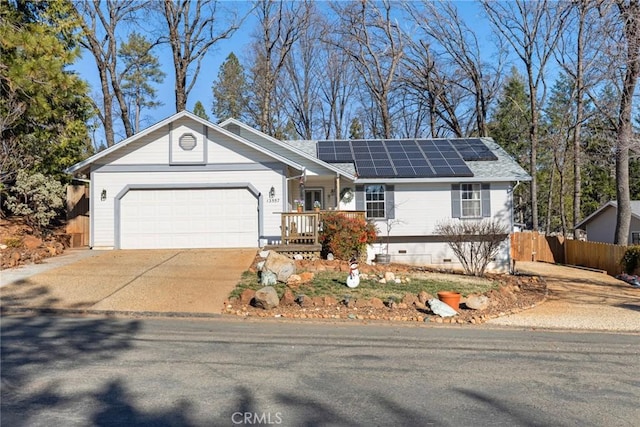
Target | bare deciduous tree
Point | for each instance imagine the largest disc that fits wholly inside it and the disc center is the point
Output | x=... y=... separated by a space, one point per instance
x=629 y=15
x=579 y=51
x=280 y=26
x=192 y=31
x=475 y=243
x=532 y=29
x=368 y=34
x=99 y=22
x=460 y=49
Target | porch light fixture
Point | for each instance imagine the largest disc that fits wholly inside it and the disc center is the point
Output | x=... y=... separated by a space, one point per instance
x=103 y=195
x=272 y=193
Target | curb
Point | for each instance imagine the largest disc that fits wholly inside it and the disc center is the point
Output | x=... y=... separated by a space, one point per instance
x=107 y=313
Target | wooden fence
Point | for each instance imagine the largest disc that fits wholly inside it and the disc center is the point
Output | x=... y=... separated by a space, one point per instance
x=603 y=256
x=78 y=215
x=533 y=246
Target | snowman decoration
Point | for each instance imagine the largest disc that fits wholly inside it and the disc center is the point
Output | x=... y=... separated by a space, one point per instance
x=353 y=279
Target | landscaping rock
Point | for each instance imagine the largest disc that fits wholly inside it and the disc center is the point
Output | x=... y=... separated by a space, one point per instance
x=306 y=276
x=389 y=276
x=440 y=308
x=477 y=302
x=287 y=298
x=330 y=301
x=247 y=296
x=266 y=298
x=376 y=303
x=268 y=278
x=31 y=242
x=424 y=297
x=294 y=279
x=282 y=266
x=409 y=299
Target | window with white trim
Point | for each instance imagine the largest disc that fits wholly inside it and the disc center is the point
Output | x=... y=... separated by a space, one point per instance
x=635 y=237
x=374 y=202
x=470 y=200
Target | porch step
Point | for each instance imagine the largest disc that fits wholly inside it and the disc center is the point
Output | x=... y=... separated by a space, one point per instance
x=290 y=251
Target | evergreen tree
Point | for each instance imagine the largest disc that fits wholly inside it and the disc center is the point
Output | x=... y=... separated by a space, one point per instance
x=198 y=110
x=43 y=108
x=509 y=127
x=230 y=90
x=141 y=68
x=355 y=129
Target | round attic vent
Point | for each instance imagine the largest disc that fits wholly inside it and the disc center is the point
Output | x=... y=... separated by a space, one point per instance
x=187 y=142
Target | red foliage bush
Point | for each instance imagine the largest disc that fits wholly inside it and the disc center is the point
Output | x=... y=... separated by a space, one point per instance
x=345 y=236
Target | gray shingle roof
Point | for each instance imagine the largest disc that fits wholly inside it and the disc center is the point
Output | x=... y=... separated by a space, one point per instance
x=503 y=169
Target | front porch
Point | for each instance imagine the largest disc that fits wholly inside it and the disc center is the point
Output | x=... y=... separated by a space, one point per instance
x=300 y=232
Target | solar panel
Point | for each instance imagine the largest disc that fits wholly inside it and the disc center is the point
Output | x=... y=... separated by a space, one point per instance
x=473 y=149
x=405 y=158
x=334 y=151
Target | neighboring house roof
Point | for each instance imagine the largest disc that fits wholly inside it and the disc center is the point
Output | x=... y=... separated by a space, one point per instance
x=96 y=157
x=635 y=211
x=495 y=164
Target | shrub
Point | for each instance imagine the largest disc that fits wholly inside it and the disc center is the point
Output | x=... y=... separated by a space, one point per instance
x=631 y=259
x=36 y=197
x=345 y=236
x=475 y=243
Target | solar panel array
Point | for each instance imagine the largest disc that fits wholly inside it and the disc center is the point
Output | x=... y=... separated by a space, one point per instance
x=403 y=158
x=473 y=149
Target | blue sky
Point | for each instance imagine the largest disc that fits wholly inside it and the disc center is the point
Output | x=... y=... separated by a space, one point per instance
x=239 y=44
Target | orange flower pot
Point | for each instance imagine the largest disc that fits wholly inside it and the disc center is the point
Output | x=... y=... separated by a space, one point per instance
x=452 y=299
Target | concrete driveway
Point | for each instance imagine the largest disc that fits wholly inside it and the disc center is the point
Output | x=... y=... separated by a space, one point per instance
x=578 y=299
x=195 y=281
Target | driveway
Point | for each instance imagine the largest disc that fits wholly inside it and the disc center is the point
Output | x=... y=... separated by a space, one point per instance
x=195 y=281
x=578 y=299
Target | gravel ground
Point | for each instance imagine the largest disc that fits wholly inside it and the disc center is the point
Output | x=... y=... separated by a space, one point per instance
x=578 y=299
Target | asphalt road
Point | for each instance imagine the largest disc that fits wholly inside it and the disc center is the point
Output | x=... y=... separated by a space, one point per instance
x=162 y=372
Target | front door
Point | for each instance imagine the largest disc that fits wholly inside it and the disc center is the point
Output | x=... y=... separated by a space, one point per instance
x=311 y=196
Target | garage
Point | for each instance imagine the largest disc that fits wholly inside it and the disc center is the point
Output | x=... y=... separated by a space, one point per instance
x=174 y=218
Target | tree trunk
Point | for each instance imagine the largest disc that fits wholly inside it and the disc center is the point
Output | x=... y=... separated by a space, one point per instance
x=631 y=15
x=533 y=159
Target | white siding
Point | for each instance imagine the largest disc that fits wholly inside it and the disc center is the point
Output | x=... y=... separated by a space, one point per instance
x=419 y=208
x=150 y=149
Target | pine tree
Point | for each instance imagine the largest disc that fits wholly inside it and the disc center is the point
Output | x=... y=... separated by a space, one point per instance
x=141 y=68
x=230 y=90
x=510 y=128
x=198 y=110
x=43 y=108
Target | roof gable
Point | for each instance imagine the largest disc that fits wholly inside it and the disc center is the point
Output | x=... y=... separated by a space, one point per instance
x=635 y=211
x=183 y=114
x=258 y=137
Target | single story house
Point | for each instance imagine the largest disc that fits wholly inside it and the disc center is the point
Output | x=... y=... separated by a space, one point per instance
x=600 y=226
x=188 y=183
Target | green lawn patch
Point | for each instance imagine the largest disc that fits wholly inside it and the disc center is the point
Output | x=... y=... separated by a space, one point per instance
x=331 y=283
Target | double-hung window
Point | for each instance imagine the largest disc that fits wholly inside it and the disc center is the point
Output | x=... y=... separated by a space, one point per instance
x=374 y=202
x=471 y=200
x=635 y=238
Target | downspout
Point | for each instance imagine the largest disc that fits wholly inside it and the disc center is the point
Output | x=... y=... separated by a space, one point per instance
x=512 y=262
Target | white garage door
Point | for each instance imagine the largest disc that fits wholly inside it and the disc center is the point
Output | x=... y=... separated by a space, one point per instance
x=188 y=218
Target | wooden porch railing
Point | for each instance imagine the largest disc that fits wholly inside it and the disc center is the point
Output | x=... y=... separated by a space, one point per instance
x=303 y=228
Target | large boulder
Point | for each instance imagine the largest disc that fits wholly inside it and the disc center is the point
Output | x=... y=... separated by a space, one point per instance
x=440 y=308
x=477 y=302
x=282 y=266
x=266 y=298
